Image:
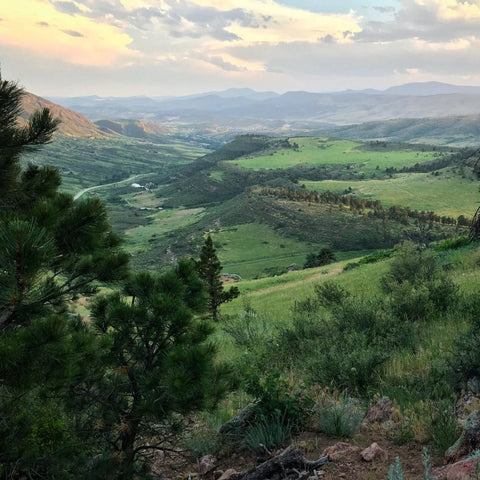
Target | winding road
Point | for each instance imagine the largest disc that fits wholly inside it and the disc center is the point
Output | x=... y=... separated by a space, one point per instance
x=96 y=187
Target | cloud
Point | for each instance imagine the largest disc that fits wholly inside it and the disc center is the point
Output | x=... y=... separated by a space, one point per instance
x=73 y=33
x=224 y=65
x=429 y=20
x=384 y=9
x=102 y=44
x=69 y=8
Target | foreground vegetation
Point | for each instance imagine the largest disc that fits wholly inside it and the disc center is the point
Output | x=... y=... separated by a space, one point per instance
x=311 y=348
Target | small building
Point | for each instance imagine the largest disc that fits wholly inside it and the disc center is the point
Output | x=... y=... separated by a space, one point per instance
x=136 y=185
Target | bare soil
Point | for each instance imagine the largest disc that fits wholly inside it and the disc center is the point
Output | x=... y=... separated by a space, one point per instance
x=312 y=445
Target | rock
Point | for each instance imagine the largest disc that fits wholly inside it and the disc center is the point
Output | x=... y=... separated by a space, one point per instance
x=228 y=474
x=340 y=451
x=473 y=385
x=469 y=439
x=206 y=464
x=372 y=452
x=381 y=411
x=456 y=471
x=238 y=423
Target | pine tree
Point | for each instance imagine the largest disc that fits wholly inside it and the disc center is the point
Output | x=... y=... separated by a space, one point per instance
x=51 y=249
x=159 y=363
x=209 y=269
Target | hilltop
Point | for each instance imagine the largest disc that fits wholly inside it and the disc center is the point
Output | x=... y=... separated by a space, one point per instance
x=72 y=124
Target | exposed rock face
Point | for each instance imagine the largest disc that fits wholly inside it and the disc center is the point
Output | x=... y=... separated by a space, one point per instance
x=372 y=452
x=469 y=439
x=381 y=411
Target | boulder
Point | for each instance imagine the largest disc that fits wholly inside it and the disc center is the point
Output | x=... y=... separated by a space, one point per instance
x=372 y=452
x=469 y=439
x=239 y=423
x=456 y=471
x=206 y=464
x=381 y=411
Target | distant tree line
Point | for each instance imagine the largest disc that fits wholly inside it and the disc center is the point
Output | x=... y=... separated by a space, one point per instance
x=360 y=205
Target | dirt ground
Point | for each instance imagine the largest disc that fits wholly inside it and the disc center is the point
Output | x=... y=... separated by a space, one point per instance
x=312 y=445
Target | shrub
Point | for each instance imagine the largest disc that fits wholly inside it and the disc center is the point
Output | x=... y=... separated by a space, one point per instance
x=402 y=434
x=202 y=442
x=268 y=432
x=247 y=328
x=323 y=257
x=275 y=397
x=446 y=429
x=452 y=244
x=340 y=417
x=416 y=285
x=330 y=294
x=395 y=472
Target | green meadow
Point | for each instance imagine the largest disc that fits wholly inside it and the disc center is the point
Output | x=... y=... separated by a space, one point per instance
x=275 y=296
x=446 y=194
x=88 y=162
x=323 y=151
x=159 y=223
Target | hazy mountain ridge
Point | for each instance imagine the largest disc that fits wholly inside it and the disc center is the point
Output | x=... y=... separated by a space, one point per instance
x=300 y=112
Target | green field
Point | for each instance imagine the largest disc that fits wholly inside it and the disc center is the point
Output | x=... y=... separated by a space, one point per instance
x=159 y=223
x=248 y=249
x=446 y=194
x=87 y=162
x=322 y=151
x=275 y=296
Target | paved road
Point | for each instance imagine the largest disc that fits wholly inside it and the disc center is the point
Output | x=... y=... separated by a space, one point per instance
x=96 y=187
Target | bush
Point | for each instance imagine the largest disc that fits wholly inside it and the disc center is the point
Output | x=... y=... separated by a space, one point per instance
x=330 y=294
x=452 y=244
x=247 y=328
x=395 y=472
x=268 y=432
x=323 y=257
x=276 y=398
x=417 y=286
x=340 y=417
x=446 y=429
x=202 y=442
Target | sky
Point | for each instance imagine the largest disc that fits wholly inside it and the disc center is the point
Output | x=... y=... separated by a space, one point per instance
x=178 y=47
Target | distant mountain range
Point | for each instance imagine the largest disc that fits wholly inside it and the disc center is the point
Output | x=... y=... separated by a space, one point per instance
x=245 y=108
x=422 y=112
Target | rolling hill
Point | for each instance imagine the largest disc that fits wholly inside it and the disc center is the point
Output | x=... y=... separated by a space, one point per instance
x=72 y=124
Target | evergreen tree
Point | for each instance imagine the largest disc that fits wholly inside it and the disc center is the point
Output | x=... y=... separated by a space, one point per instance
x=51 y=249
x=209 y=269
x=159 y=363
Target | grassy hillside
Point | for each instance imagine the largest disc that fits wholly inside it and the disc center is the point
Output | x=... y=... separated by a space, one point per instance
x=258 y=234
x=86 y=162
x=324 y=151
x=447 y=191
